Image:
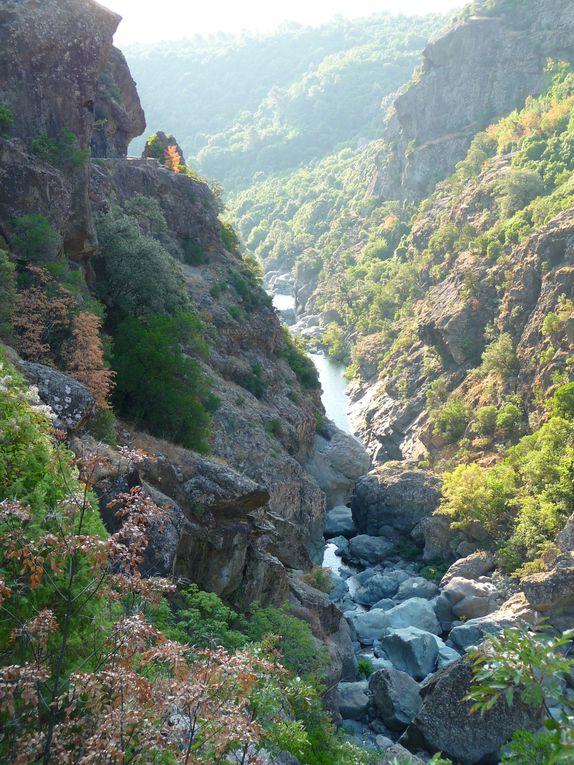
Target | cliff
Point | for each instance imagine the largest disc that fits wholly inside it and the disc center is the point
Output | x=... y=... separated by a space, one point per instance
x=479 y=70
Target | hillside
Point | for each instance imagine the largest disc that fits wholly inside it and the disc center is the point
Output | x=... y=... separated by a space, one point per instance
x=290 y=97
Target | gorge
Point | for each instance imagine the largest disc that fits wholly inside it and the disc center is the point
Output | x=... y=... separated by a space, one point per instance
x=287 y=455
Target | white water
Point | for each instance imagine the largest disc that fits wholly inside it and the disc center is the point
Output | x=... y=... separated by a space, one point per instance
x=284 y=302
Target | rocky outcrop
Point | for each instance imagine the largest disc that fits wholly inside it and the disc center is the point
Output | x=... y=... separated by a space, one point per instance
x=396 y=697
x=481 y=69
x=391 y=500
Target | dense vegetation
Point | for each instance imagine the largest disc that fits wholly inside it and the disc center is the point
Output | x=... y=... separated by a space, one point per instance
x=96 y=664
x=291 y=97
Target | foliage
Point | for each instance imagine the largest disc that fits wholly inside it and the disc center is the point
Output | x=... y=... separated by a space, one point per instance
x=7 y=295
x=102 y=426
x=500 y=357
x=35 y=240
x=563 y=403
x=193 y=254
x=529 y=666
x=148 y=213
x=451 y=420
x=140 y=276
x=364 y=669
x=157 y=386
x=253 y=381
x=6 y=120
x=319 y=578
x=486 y=420
x=229 y=237
x=294 y=353
x=62 y=151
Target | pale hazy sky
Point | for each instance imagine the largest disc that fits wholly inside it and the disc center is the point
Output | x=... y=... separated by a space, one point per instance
x=149 y=20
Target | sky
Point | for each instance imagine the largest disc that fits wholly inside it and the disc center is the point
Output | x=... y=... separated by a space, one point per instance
x=144 y=20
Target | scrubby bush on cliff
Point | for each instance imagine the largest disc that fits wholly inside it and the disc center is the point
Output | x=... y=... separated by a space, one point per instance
x=500 y=357
x=7 y=295
x=157 y=386
x=140 y=275
x=62 y=152
x=451 y=420
x=6 y=120
x=35 y=240
x=293 y=352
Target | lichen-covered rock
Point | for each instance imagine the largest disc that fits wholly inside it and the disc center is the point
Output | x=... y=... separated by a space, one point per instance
x=70 y=400
x=390 y=498
x=553 y=589
x=444 y=723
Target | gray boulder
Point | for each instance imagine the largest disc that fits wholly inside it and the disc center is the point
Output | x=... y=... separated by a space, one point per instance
x=389 y=497
x=380 y=586
x=416 y=612
x=472 y=567
x=412 y=650
x=398 y=753
x=368 y=625
x=435 y=536
x=444 y=722
x=70 y=400
x=352 y=700
x=515 y=612
x=468 y=599
x=396 y=697
x=340 y=522
x=367 y=550
x=416 y=587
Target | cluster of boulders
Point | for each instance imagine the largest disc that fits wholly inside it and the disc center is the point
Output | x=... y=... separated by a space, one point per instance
x=411 y=632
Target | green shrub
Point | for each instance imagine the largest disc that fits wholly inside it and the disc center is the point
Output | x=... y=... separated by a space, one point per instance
x=229 y=237
x=235 y=312
x=253 y=381
x=563 y=402
x=451 y=420
x=508 y=418
x=364 y=669
x=486 y=420
x=7 y=295
x=148 y=213
x=6 y=120
x=500 y=357
x=193 y=254
x=293 y=351
x=62 y=152
x=319 y=578
x=157 y=386
x=551 y=324
x=35 y=240
x=102 y=426
x=139 y=275
x=273 y=427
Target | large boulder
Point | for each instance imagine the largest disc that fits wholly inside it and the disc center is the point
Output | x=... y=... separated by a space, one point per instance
x=396 y=697
x=552 y=589
x=366 y=550
x=468 y=599
x=435 y=536
x=70 y=400
x=380 y=586
x=472 y=567
x=389 y=498
x=412 y=650
x=398 y=753
x=416 y=587
x=515 y=612
x=336 y=462
x=445 y=723
x=352 y=700
x=372 y=625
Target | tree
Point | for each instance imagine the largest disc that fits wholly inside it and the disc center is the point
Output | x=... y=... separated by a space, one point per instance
x=85 y=358
x=157 y=386
x=500 y=357
x=35 y=240
x=173 y=159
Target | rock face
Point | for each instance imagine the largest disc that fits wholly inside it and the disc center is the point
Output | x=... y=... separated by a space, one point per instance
x=391 y=499
x=552 y=592
x=71 y=43
x=444 y=723
x=481 y=69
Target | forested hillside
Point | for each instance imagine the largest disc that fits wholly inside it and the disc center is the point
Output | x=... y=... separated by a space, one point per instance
x=244 y=108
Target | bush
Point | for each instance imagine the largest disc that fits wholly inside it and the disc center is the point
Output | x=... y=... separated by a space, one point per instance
x=148 y=213
x=294 y=353
x=193 y=254
x=253 y=381
x=7 y=295
x=563 y=402
x=159 y=388
x=35 y=240
x=486 y=420
x=229 y=237
x=6 y=120
x=319 y=578
x=451 y=420
x=500 y=357
x=364 y=669
x=102 y=426
x=62 y=152
x=140 y=276
x=551 y=324
x=508 y=418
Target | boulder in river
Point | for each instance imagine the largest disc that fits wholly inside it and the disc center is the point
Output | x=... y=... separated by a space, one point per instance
x=515 y=612
x=416 y=587
x=371 y=625
x=380 y=586
x=468 y=599
x=392 y=498
x=412 y=650
x=352 y=700
x=472 y=567
x=366 y=550
x=444 y=722
x=396 y=697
